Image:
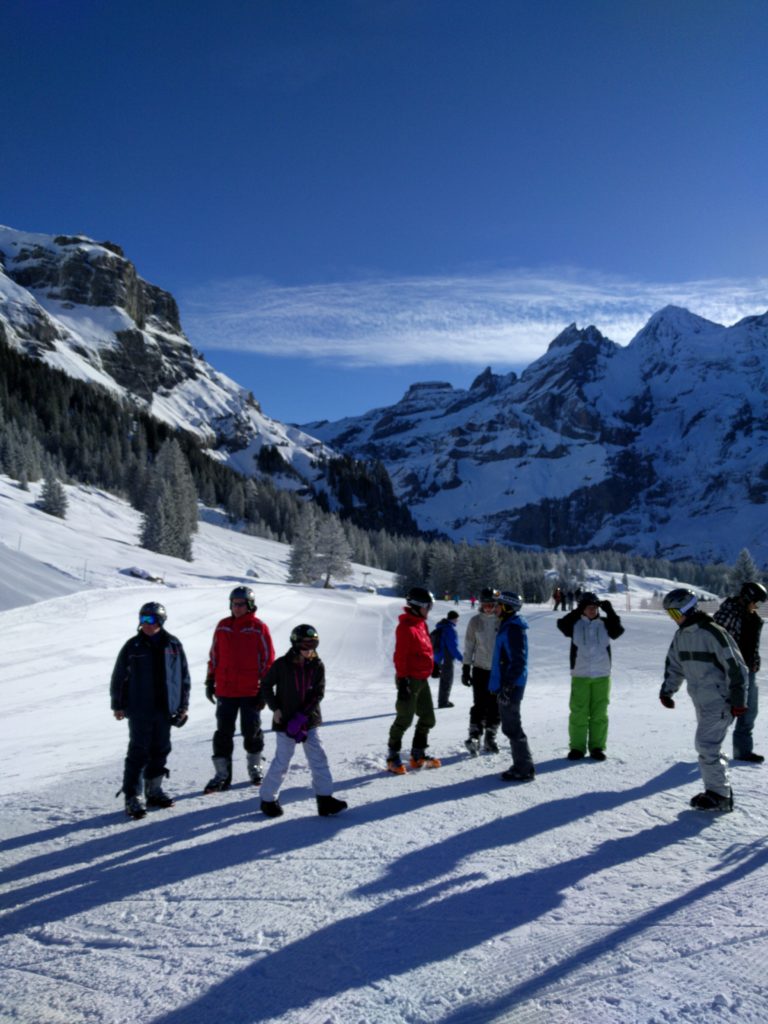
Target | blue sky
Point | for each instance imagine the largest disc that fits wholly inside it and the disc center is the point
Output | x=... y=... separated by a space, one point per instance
x=347 y=196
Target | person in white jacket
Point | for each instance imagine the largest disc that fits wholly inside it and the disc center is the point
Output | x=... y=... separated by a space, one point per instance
x=590 y=635
x=706 y=656
x=479 y=644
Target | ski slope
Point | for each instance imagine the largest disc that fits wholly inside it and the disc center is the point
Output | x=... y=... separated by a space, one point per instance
x=592 y=896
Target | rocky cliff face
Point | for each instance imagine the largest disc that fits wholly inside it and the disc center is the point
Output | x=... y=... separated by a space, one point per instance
x=659 y=447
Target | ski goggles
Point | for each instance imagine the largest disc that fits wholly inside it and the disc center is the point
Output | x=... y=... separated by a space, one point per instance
x=676 y=615
x=150 y=620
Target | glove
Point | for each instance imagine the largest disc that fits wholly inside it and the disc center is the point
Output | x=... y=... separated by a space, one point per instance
x=606 y=605
x=667 y=699
x=435 y=674
x=493 y=685
x=179 y=719
x=738 y=712
x=403 y=688
x=210 y=689
x=466 y=675
x=297 y=727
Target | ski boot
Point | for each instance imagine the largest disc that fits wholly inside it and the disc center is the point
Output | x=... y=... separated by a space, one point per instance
x=222 y=780
x=330 y=805
x=134 y=808
x=394 y=764
x=473 y=744
x=155 y=795
x=420 y=759
x=490 y=746
x=709 y=800
x=519 y=774
x=255 y=763
x=271 y=808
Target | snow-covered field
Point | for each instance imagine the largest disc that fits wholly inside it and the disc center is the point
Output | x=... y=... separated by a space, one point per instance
x=592 y=896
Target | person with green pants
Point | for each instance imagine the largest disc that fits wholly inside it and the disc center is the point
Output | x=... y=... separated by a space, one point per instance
x=590 y=635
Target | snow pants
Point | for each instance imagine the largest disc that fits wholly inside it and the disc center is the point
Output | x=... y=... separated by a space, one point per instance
x=484 y=713
x=285 y=748
x=446 y=681
x=149 y=744
x=227 y=710
x=743 y=743
x=588 y=721
x=512 y=727
x=418 y=705
x=713 y=719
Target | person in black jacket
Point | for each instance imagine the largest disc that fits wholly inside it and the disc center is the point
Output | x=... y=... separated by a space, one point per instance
x=150 y=688
x=293 y=689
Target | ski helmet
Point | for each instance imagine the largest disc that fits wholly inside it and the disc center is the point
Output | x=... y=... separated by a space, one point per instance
x=153 y=613
x=679 y=603
x=509 y=602
x=589 y=598
x=244 y=594
x=753 y=592
x=419 y=597
x=305 y=636
x=488 y=595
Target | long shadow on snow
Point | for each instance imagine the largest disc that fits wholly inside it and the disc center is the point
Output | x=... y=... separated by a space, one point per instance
x=389 y=940
x=102 y=870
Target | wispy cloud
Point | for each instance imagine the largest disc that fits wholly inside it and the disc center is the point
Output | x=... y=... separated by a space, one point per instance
x=498 y=319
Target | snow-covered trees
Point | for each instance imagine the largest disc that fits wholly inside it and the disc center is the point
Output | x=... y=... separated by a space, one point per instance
x=53 y=498
x=744 y=569
x=302 y=564
x=170 y=504
x=320 y=548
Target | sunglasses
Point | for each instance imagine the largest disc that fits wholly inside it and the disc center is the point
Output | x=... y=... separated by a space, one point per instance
x=149 y=620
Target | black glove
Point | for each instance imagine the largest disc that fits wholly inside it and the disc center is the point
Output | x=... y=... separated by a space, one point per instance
x=466 y=675
x=210 y=689
x=667 y=699
x=606 y=605
x=179 y=719
x=403 y=688
x=435 y=674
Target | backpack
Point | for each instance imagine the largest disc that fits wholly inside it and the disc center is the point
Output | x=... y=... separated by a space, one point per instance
x=436 y=636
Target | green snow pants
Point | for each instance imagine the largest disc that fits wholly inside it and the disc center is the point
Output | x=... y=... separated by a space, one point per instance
x=588 y=722
x=418 y=705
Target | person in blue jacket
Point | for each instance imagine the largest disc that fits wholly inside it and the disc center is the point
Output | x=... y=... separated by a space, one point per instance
x=150 y=688
x=445 y=640
x=509 y=674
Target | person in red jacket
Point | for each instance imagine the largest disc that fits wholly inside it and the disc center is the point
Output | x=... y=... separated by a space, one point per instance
x=413 y=658
x=241 y=655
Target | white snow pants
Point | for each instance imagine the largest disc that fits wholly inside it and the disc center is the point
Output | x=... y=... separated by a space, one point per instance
x=285 y=748
x=713 y=718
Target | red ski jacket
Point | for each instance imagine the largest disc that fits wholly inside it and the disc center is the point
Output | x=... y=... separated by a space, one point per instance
x=241 y=655
x=413 y=648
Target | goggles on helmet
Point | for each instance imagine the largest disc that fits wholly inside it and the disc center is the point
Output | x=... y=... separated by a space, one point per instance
x=150 y=620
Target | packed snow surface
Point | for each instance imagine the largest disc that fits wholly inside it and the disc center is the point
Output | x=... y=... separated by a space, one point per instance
x=593 y=895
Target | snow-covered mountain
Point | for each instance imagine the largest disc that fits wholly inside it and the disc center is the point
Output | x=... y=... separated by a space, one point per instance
x=81 y=306
x=659 y=446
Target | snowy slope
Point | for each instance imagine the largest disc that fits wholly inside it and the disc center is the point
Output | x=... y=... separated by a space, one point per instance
x=592 y=896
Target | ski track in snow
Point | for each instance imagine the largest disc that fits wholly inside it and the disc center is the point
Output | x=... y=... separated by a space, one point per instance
x=591 y=896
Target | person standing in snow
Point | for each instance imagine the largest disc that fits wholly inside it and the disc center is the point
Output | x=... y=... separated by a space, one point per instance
x=590 y=637
x=413 y=658
x=740 y=617
x=479 y=643
x=293 y=689
x=445 y=643
x=509 y=674
x=150 y=688
x=241 y=655
x=706 y=656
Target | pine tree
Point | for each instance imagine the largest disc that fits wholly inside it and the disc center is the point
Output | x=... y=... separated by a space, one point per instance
x=743 y=570
x=303 y=559
x=170 y=505
x=53 y=498
x=333 y=550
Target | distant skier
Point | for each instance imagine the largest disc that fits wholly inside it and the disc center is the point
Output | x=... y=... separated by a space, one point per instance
x=293 y=689
x=739 y=615
x=706 y=656
x=241 y=654
x=413 y=660
x=150 y=688
x=590 y=637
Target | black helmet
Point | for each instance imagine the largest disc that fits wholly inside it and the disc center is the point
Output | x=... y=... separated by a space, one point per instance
x=680 y=602
x=509 y=601
x=588 y=598
x=305 y=636
x=488 y=595
x=153 y=612
x=753 y=592
x=244 y=594
x=419 y=597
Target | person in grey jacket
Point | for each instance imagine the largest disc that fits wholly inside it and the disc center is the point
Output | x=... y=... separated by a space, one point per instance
x=150 y=688
x=479 y=645
x=707 y=658
x=590 y=635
